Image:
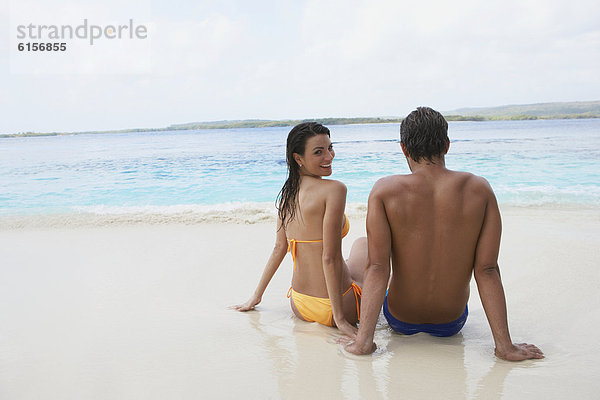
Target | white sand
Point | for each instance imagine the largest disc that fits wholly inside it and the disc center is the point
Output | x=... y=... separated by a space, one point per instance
x=138 y=311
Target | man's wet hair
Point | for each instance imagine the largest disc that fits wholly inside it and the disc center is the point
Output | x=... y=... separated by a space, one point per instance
x=424 y=133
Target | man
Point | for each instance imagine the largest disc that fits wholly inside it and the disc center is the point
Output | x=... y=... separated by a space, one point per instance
x=438 y=226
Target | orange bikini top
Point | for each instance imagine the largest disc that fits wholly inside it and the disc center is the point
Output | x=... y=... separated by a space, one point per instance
x=292 y=242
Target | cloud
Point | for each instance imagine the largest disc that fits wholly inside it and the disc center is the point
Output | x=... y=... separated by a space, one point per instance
x=231 y=60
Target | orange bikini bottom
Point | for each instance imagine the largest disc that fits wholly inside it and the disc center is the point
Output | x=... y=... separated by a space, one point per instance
x=318 y=309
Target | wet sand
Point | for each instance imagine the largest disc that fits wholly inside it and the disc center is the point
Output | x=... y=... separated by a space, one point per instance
x=135 y=310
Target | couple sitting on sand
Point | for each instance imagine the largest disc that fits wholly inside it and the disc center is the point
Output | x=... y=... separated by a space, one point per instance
x=436 y=225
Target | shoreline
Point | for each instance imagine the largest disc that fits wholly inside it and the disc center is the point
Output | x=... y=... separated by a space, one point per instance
x=237 y=214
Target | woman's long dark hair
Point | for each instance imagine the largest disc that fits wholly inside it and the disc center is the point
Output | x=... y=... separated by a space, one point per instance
x=296 y=143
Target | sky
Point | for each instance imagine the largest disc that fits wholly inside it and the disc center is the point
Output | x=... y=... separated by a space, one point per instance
x=228 y=60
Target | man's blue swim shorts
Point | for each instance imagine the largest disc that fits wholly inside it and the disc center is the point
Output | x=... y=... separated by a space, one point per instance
x=441 y=330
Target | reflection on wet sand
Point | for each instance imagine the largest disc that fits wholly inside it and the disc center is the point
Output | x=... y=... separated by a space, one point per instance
x=295 y=348
x=307 y=363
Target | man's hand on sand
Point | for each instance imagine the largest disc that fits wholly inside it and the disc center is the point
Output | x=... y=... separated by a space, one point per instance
x=519 y=352
x=351 y=346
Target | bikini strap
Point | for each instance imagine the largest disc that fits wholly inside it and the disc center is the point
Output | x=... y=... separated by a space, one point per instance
x=292 y=247
x=357 y=292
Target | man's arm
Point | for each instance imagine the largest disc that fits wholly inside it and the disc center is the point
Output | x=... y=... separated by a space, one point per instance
x=491 y=291
x=377 y=274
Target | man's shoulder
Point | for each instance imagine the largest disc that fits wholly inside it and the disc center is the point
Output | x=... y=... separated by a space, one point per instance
x=473 y=186
x=390 y=184
x=472 y=181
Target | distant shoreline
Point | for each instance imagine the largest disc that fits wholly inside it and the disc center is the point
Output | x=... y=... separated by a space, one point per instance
x=284 y=123
x=544 y=111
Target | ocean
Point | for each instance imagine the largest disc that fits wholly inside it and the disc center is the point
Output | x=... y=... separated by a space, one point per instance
x=528 y=163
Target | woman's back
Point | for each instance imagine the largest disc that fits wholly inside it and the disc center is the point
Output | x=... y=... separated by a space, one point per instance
x=307 y=225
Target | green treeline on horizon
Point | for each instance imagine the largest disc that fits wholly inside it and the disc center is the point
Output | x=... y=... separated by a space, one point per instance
x=571 y=110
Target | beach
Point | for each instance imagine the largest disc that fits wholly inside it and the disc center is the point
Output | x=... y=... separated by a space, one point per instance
x=135 y=306
x=146 y=147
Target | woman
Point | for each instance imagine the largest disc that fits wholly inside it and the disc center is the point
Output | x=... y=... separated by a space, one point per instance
x=311 y=223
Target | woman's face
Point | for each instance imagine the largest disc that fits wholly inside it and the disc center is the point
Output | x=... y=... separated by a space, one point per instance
x=318 y=155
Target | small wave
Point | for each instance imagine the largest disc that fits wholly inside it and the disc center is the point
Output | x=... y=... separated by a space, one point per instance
x=184 y=214
x=97 y=216
x=540 y=195
x=367 y=141
x=224 y=213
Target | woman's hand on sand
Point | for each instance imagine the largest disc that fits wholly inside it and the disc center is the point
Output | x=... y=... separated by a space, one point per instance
x=247 y=306
x=519 y=352
x=349 y=330
x=354 y=347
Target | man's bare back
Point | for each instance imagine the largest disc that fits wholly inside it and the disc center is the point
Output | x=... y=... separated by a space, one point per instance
x=435 y=217
x=439 y=227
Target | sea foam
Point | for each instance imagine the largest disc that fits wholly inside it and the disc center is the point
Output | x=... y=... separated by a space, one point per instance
x=185 y=214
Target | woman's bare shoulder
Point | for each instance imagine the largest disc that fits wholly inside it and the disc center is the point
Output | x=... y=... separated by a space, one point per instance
x=332 y=184
x=334 y=190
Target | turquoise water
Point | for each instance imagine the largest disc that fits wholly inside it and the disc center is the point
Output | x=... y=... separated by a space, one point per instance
x=527 y=163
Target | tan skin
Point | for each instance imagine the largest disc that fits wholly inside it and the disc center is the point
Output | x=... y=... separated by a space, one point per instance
x=320 y=268
x=438 y=227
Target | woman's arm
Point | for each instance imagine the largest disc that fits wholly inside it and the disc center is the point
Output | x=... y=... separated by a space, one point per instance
x=273 y=264
x=335 y=202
